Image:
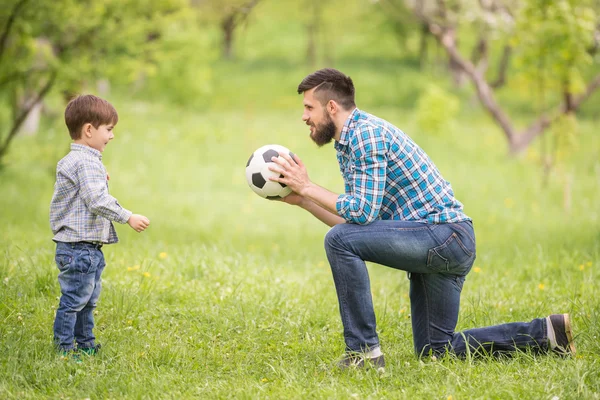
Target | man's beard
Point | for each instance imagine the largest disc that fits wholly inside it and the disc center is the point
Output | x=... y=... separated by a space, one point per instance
x=325 y=132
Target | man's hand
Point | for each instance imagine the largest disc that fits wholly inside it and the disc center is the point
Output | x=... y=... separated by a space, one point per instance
x=293 y=199
x=138 y=222
x=293 y=171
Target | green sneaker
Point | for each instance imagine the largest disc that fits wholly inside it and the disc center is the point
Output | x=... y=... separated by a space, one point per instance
x=90 y=351
x=69 y=355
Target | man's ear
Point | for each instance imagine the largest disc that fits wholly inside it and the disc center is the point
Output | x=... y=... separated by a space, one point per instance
x=332 y=107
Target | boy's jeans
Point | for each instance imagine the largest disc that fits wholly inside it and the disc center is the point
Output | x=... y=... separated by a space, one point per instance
x=80 y=265
x=437 y=258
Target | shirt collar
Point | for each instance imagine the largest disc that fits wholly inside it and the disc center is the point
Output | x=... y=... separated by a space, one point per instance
x=349 y=126
x=86 y=149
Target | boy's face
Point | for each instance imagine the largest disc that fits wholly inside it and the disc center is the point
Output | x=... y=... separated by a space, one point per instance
x=98 y=138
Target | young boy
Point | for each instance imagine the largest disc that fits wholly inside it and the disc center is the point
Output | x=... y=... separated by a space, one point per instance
x=81 y=215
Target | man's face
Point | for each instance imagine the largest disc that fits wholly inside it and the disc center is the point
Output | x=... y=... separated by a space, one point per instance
x=322 y=127
x=101 y=136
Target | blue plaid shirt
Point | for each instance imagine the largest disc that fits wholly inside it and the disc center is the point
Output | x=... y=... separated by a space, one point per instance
x=81 y=208
x=387 y=176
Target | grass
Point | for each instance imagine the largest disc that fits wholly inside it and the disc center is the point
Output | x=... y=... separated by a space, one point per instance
x=227 y=295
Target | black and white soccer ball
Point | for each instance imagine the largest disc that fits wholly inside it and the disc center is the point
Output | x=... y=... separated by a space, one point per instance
x=258 y=172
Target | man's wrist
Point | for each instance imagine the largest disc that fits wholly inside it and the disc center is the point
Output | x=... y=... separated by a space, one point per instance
x=306 y=190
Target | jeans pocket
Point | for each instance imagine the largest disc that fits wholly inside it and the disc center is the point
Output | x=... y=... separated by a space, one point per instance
x=449 y=256
x=63 y=260
x=85 y=262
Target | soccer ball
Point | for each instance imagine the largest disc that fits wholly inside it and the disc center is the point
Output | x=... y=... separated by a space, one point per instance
x=258 y=172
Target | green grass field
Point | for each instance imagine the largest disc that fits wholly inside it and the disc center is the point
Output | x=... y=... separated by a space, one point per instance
x=227 y=295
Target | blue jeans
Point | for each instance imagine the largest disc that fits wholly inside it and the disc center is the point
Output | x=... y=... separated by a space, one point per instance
x=80 y=265
x=437 y=258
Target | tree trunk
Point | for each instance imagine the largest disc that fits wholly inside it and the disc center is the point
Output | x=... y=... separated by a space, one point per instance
x=423 y=34
x=22 y=115
x=228 y=27
x=31 y=124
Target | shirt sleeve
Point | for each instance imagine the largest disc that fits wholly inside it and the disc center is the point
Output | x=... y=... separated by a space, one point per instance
x=365 y=182
x=94 y=192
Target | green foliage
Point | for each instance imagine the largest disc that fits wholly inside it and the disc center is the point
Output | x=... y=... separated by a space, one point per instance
x=83 y=39
x=565 y=137
x=182 y=71
x=436 y=110
x=553 y=39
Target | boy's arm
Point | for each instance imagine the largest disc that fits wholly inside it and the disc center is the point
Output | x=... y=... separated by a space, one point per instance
x=94 y=193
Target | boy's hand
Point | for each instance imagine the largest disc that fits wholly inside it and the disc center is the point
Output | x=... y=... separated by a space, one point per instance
x=138 y=222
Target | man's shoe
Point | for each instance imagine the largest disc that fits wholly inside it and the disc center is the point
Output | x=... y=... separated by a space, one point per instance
x=560 y=334
x=358 y=360
x=90 y=351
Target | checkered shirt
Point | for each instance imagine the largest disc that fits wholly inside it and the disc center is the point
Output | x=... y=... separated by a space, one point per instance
x=387 y=176
x=81 y=208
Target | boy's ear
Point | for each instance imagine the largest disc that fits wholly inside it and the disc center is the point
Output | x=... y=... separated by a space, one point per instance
x=87 y=130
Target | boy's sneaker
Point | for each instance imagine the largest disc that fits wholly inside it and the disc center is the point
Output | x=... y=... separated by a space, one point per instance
x=354 y=360
x=69 y=355
x=90 y=351
x=560 y=334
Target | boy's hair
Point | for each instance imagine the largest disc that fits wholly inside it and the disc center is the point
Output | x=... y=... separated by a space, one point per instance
x=88 y=109
x=330 y=84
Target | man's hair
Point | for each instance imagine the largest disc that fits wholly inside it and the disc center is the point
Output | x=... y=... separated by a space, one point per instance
x=330 y=84
x=88 y=109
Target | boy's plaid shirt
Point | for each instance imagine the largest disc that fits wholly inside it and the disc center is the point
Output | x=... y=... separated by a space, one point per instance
x=81 y=208
x=387 y=176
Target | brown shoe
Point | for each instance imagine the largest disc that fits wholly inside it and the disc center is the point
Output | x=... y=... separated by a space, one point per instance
x=563 y=333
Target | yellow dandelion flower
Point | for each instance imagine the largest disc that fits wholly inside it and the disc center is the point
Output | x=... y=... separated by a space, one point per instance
x=541 y=286
x=477 y=269
x=449 y=397
x=589 y=263
x=134 y=268
x=146 y=274
x=264 y=380
x=581 y=267
x=162 y=255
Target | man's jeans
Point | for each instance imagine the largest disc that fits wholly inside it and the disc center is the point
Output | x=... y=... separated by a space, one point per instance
x=437 y=258
x=80 y=265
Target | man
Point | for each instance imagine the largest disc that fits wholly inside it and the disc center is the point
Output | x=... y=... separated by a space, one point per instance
x=398 y=211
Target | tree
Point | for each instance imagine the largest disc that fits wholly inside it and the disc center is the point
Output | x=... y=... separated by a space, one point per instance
x=230 y=14
x=557 y=34
x=66 y=43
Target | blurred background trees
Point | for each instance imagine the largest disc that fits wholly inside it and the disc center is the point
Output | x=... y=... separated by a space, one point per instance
x=531 y=64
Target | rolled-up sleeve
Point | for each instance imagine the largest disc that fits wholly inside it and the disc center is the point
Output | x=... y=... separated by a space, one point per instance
x=365 y=180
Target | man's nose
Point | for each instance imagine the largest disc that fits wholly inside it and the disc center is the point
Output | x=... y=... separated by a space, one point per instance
x=305 y=116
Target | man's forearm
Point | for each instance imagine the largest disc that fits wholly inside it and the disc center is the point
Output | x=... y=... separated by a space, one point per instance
x=320 y=202
x=322 y=214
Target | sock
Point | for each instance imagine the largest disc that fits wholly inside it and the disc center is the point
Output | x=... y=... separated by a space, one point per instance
x=373 y=353
x=551 y=337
